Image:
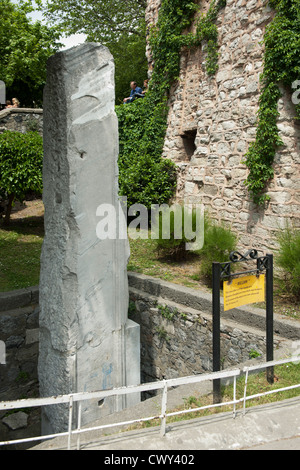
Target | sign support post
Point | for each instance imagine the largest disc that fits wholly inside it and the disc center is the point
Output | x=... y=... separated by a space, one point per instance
x=216 y=331
x=248 y=294
x=270 y=318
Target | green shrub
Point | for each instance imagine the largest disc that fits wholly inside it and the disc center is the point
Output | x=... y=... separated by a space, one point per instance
x=288 y=258
x=144 y=176
x=21 y=162
x=219 y=242
x=171 y=242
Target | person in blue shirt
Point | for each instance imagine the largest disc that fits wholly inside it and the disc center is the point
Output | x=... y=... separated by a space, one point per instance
x=136 y=92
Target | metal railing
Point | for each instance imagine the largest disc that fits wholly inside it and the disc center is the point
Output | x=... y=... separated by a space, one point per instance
x=266 y=365
x=163 y=385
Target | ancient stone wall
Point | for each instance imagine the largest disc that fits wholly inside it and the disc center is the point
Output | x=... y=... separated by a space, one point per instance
x=19 y=332
x=176 y=341
x=212 y=121
x=21 y=120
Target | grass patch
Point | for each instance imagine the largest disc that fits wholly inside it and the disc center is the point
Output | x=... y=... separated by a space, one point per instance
x=20 y=248
x=146 y=259
x=285 y=375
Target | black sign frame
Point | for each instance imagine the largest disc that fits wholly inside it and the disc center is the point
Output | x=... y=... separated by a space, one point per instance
x=222 y=271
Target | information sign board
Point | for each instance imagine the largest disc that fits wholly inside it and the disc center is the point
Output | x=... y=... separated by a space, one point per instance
x=244 y=291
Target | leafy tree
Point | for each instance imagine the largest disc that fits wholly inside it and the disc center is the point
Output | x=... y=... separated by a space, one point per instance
x=106 y=20
x=21 y=160
x=24 y=48
x=130 y=63
x=119 y=25
x=146 y=177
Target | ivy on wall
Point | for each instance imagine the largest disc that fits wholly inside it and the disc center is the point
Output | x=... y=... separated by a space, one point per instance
x=145 y=177
x=167 y=40
x=281 y=67
x=207 y=31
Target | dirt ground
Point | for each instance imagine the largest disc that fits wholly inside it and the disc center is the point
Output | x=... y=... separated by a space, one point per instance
x=34 y=208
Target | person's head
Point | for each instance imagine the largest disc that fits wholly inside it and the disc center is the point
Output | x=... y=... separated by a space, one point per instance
x=15 y=102
x=8 y=103
x=133 y=85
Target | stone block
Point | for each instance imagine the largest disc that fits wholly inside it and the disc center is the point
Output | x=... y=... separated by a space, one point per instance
x=32 y=336
x=132 y=334
x=16 y=420
x=14 y=299
x=83 y=281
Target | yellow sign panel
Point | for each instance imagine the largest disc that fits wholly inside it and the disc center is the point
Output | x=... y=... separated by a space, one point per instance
x=243 y=291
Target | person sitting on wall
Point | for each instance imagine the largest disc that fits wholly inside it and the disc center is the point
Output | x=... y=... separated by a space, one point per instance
x=145 y=87
x=15 y=103
x=8 y=104
x=135 y=92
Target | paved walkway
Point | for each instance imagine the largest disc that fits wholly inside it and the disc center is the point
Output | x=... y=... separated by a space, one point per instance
x=274 y=427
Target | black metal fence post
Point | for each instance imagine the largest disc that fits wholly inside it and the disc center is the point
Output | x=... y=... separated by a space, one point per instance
x=216 y=330
x=270 y=317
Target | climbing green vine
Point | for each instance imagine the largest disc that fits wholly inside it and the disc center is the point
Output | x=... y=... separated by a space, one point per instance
x=168 y=38
x=145 y=177
x=281 y=67
x=207 y=31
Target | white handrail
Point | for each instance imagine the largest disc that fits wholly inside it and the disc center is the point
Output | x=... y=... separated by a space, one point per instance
x=82 y=396
x=160 y=385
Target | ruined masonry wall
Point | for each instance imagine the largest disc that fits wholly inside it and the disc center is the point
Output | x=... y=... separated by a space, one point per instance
x=221 y=113
x=21 y=120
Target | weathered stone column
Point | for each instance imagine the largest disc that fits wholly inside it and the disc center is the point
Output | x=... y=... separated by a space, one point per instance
x=87 y=342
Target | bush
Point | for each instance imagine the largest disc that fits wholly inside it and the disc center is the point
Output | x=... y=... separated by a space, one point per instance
x=288 y=258
x=219 y=242
x=172 y=243
x=21 y=162
x=144 y=176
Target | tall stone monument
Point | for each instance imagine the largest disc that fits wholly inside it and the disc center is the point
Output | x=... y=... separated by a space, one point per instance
x=87 y=342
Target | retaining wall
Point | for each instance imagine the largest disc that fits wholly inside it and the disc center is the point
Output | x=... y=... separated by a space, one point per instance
x=19 y=330
x=176 y=339
x=176 y=329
